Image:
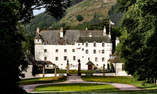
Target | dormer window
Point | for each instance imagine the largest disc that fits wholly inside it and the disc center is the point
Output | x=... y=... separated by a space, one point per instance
x=65 y=43
x=45 y=42
x=86 y=44
x=94 y=44
x=103 y=44
x=56 y=42
x=73 y=43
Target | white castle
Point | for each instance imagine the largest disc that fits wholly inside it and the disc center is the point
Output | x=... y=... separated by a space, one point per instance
x=58 y=46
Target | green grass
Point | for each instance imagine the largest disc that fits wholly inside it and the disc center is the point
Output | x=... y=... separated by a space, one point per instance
x=104 y=92
x=120 y=79
x=42 y=80
x=75 y=87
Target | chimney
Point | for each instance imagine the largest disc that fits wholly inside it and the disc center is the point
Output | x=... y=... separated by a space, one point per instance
x=90 y=35
x=37 y=30
x=61 y=32
x=104 y=33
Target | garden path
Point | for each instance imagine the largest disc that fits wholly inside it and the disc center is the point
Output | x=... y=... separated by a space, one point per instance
x=78 y=79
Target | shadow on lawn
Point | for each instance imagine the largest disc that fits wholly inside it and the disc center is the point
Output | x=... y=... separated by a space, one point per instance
x=103 y=92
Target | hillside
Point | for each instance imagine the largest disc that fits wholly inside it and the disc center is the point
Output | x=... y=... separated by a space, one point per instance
x=87 y=8
x=92 y=11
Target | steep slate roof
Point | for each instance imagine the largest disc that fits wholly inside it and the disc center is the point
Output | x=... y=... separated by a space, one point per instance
x=51 y=36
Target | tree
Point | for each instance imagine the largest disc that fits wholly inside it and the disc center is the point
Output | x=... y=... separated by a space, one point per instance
x=79 y=18
x=12 y=58
x=138 y=40
x=55 y=8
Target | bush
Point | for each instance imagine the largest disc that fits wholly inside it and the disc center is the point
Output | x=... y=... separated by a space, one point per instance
x=79 y=18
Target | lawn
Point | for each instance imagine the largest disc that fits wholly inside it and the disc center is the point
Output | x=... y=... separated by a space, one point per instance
x=120 y=79
x=42 y=80
x=75 y=88
x=103 y=92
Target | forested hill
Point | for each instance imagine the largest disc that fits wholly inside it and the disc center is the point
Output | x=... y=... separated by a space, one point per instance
x=42 y=20
x=79 y=16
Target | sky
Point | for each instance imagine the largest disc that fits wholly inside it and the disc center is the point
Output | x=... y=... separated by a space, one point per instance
x=36 y=12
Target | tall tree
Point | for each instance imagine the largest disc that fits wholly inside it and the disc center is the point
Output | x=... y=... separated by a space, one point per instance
x=55 y=8
x=138 y=40
x=13 y=60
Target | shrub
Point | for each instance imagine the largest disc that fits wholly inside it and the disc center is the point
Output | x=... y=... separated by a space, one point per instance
x=79 y=18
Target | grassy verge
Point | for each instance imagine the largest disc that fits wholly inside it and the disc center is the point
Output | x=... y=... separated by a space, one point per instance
x=42 y=80
x=120 y=79
x=75 y=88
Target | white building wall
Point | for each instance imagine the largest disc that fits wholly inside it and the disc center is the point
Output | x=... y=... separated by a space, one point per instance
x=119 y=71
x=79 y=53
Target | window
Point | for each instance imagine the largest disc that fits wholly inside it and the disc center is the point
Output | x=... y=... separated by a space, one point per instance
x=94 y=51
x=96 y=64
x=82 y=56
x=56 y=50
x=74 y=57
x=86 y=44
x=73 y=43
x=45 y=58
x=65 y=57
x=103 y=44
x=102 y=51
x=86 y=51
x=96 y=59
x=82 y=49
x=103 y=59
x=73 y=50
x=94 y=44
x=56 y=58
x=61 y=64
x=65 y=50
x=65 y=43
x=45 y=50
x=45 y=43
x=82 y=43
x=88 y=58
x=78 y=44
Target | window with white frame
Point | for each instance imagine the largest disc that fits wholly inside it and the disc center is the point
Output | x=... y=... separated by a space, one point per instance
x=65 y=50
x=86 y=51
x=103 y=51
x=96 y=59
x=103 y=44
x=45 y=50
x=73 y=50
x=94 y=44
x=74 y=57
x=45 y=58
x=65 y=57
x=56 y=58
x=56 y=50
x=103 y=59
x=94 y=51
x=86 y=44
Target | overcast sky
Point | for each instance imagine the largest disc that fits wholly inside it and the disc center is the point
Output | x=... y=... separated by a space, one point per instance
x=36 y=12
